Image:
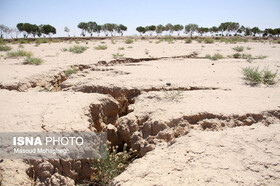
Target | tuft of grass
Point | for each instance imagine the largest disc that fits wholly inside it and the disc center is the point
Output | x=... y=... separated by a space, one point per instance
x=237 y=55
x=113 y=165
x=169 y=39
x=20 y=46
x=101 y=47
x=19 y=53
x=113 y=41
x=208 y=40
x=248 y=48
x=215 y=57
x=269 y=77
x=33 y=61
x=121 y=48
x=238 y=48
x=260 y=57
x=188 y=40
x=77 y=42
x=2 y=42
x=70 y=72
x=147 y=51
x=41 y=40
x=157 y=42
x=199 y=40
x=130 y=47
x=118 y=56
x=64 y=50
x=254 y=76
x=128 y=41
x=173 y=95
x=23 y=41
x=78 y=49
x=5 y=48
x=102 y=42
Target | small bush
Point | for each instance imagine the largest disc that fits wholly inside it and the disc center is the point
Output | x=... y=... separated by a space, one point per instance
x=5 y=48
x=199 y=40
x=41 y=40
x=19 y=53
x=128 y=41
x=248 y=48
x=238 y=48
x=260 y=57
x=208 y=40
x=2 y=42
x=130 y=47
x=77 y=42
x=118 y=56
x=157 y=42
x=101 y=47
x=70 y=71
x=64 y=50
x=236 y=55
x=102 y=42
x=147 y=51
x=121 y=48
x=173 y=96
x=23 y=41
x=78 y=49
x=113 y=41
x=33 y=61
x=169 y=39
x=188 y=40
x=254 y=76
x=269 y=77
x=20 y=46
x=214 y=57
x=113 y=165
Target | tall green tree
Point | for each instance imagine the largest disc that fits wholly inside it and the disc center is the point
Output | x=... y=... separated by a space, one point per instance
x=160 y=29
x=191 y=28
x=178 y=28
x=121 y=28
x=256 y=30
x=141 y=30
x=91 y=27
x=169 y=27
x=84 y=27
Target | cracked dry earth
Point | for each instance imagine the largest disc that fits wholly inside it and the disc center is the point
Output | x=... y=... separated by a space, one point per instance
x=192 y=120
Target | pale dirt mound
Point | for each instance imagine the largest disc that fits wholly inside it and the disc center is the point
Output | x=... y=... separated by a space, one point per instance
x=235 y=156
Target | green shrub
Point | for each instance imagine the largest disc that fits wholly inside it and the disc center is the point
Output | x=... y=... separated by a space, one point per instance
x=23 y=41
x=111 y=166
x=188 y=40
x=78 y=49
x=19 y=53
x=199 y=40
x=41 y=40
x=77 y=42
x=129 y=41
x=254 y=76
x=5 y=48
x=214 y=57
x=238 y=48
x=101 y=47
x=113 y=41
x=157 y=42
x=147 y=51
x=260 y=57
x=2 y=42
x=121 y=48
x=20 y=46
x=269 y=77
x=236 y=55
x=168 y=39
x=64 y=50
x=70 y=71
x=118 y=56
x=248 y=48
x=208 y=40
x=130 y=47
x=173 y=95
x=33 y=61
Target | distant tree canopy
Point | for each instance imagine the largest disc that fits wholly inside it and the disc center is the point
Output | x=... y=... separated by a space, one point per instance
x=93 y=27
x=224 y=29
x=33 y=29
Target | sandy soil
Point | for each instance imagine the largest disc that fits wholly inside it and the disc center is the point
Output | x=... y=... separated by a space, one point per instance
x=205 y=105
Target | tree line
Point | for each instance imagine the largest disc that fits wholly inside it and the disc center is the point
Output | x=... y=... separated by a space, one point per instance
x=224 y=29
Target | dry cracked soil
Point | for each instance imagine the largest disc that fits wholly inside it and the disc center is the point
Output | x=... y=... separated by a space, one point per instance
x=192 y=120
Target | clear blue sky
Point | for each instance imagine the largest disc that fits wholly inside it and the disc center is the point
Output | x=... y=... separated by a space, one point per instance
x=132 y=13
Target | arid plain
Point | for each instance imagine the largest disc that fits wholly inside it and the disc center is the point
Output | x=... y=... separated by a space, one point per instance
x=193 y=120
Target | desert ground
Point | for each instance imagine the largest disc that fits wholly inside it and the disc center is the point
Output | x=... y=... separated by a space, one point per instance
x=193 y=120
